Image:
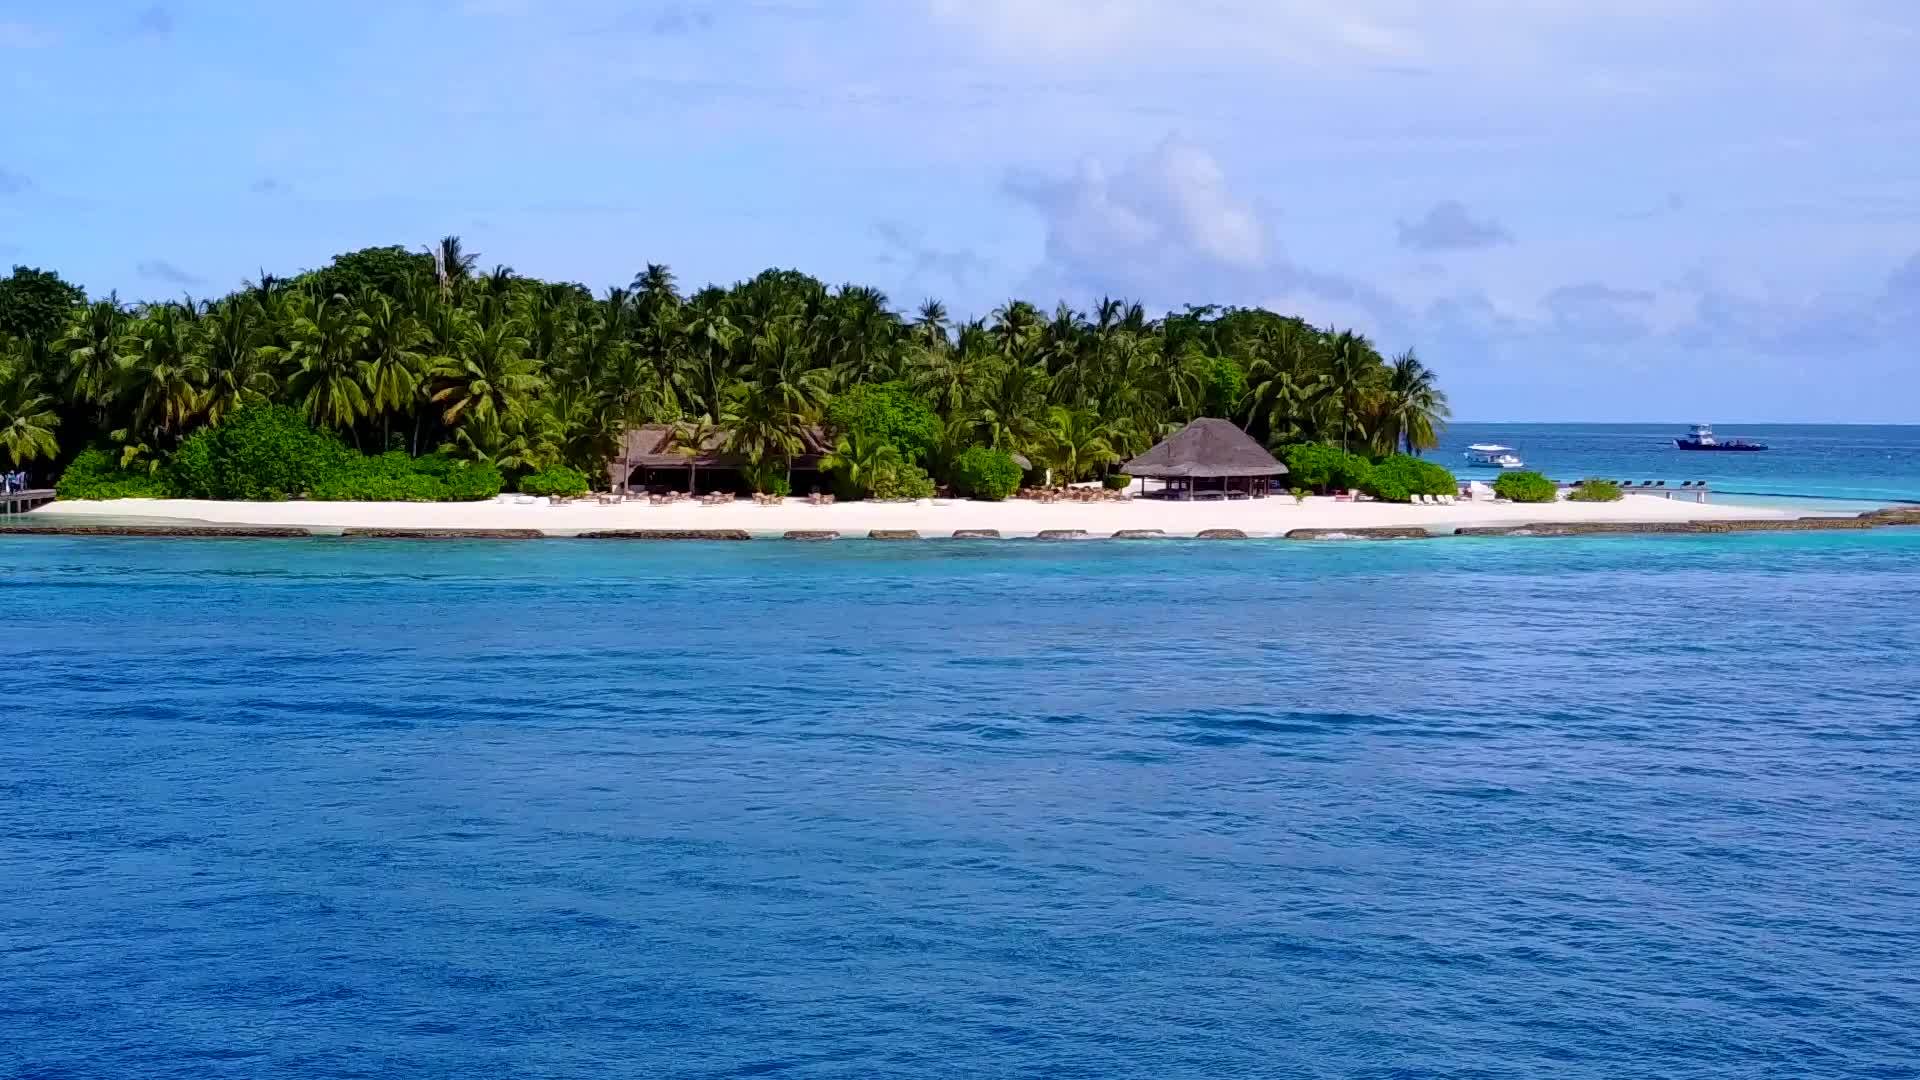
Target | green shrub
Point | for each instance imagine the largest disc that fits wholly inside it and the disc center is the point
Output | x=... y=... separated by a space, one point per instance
x=1526 y=487
x=559 y=480
x=395 y=477
x=461 y=481
x=771 y=481
x=1118 y=481
x=1299 y=495
x=904 y=482
x=1596 y=491
x=768 y=477
x=890 y=411
x=987 y=474
x=271 y=453
x=190 y=469
x=843 y=487
x=1226 y=384
x=96 y=474
x=1321 y=467
x=1399 y=477
x=388 y=477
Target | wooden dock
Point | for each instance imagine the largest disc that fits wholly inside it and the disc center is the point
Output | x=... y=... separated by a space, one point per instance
x=19 y=502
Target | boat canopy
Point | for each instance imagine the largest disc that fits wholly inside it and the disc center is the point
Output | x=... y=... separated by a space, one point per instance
x=1491 y=448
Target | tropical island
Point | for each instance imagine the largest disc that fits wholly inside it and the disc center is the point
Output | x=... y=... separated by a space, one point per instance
x=407 y=387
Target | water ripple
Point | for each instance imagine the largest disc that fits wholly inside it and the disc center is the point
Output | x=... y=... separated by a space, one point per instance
x=1510 y=808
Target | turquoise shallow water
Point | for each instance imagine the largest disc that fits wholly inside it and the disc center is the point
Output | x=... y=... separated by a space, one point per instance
x=1473 y=808
x=1852 y=465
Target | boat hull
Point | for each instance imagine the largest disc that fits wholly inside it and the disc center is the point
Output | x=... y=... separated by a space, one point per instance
x=1720 y=448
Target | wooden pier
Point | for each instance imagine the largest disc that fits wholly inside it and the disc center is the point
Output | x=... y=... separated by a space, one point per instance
x=19 y=502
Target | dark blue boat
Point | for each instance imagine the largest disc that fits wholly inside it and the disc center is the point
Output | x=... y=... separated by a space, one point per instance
x=1701 y=438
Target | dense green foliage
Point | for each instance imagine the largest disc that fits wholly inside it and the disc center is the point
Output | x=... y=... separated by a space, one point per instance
x=861 y=462
x=260 y=453
x=395 y=477
x=35 y=304
x=1325 y=468
x=1526 y=487
x=271 y=453
x=562 y=480
x=1399 y=477
x=1596 y=491
x=888 y=411
x=904 y=482
x=985 y=473
x=421 y=352
x=94 y=474
x=1118 y=481
x=1226 y=386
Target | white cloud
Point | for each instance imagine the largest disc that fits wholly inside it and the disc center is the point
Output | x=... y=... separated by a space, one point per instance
x=1170 y=209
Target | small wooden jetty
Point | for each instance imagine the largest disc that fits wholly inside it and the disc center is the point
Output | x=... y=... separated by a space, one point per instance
x=19 y=502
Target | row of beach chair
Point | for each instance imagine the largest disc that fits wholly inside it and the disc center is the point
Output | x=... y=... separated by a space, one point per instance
x=1685 y=485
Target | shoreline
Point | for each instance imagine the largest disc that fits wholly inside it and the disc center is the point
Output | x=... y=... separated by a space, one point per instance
x=1319 y=518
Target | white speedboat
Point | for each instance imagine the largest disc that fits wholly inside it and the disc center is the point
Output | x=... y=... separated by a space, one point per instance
x=1494 y=456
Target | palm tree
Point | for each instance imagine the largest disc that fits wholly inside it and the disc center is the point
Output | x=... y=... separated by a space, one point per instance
x=947 y=375
x=1010 y=406
x=930 y=325
x=699 y=373
x=452 y=265
x=1287 y=401
x=490 y=381
x=771 y=408
x=1014 y=325
x=236 y=359
x=329 y=376
x=94 y=347
x=1074 y=442
x=1352 y=364
x=654 y=290
x=445 y=330
x=162 y=379
x=27 y=419
x=690 y=439
x=393 y=364
x=863 y=459
x=1415 y=408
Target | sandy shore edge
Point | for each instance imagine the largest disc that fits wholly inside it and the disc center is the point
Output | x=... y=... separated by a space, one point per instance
x=1015 y=519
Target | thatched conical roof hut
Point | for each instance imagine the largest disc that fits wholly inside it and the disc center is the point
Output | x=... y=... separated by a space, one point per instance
x=1209 y=449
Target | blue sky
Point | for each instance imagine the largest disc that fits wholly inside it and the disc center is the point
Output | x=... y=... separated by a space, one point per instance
x=1631 y=210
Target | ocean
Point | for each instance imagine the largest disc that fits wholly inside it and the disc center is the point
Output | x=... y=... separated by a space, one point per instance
x=1581 y=808
x=1845 y=466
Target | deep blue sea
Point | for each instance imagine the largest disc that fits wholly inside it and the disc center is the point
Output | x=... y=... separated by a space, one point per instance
x=1590 y=808
x=1806 y=463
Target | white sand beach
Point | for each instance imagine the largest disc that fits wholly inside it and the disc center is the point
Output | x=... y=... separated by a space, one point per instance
x=932 y=518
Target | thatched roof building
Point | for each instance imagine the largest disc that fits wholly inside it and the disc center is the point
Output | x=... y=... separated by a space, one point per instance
x=653 y=447
x=1208 y=449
